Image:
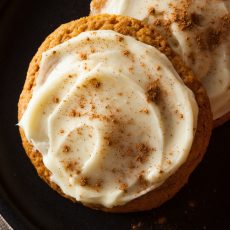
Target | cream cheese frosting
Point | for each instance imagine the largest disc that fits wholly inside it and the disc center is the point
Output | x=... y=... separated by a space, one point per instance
x=110 y=116
x=199 y=31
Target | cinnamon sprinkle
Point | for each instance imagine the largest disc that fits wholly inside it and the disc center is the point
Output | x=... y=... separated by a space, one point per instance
x=83 y=56
x=70 y=165
x=151 y=11
x=126 y=53
x=142 y=181
x=62 y=131
x=98 y=185
x=145 y=110
x=120 y=38
x=153 y=91
x=142 y=152
x=82 y=102
x=56 y=100
x=95 y=83
x=123 y=187
x=84 y=181
x=158 y=67
x=66 y=148
x=72 y=113
x=196 y=19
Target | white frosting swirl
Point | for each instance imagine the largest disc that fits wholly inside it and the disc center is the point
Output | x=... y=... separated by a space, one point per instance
x=211 y=66
x=111 y=117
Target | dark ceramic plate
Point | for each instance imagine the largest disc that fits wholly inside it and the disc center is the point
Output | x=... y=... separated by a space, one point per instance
x=28 y=203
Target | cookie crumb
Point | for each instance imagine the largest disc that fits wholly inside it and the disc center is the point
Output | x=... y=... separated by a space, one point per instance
x=136 y=226
x=162 y=220
x=192 y=204
x=98 y=185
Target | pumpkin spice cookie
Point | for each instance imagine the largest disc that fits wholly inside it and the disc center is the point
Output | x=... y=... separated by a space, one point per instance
x=199 y=31
x=111 y=117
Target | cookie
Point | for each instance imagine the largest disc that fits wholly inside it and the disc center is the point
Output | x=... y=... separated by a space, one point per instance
x=117 y=126
x=198 y=31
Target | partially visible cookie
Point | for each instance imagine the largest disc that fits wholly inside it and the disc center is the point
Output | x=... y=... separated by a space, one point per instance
x=66 y=152
x=199 y=31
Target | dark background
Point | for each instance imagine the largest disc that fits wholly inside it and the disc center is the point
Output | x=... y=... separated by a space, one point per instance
x=28 y=203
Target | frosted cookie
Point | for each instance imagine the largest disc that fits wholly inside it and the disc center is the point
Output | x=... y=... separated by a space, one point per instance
x=110 y=117
x=199 y=31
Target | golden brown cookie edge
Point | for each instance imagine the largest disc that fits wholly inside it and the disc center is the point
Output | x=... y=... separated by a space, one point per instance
x=147 y=34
